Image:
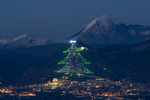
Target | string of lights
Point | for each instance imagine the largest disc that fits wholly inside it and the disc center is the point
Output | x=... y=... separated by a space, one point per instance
x=74 y=62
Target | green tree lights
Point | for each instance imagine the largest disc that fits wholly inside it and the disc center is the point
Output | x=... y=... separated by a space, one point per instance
x=74 y=62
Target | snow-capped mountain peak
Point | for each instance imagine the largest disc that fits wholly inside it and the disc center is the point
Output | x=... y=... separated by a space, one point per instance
x=104 y=22
x=106 y=30
x=24 y=41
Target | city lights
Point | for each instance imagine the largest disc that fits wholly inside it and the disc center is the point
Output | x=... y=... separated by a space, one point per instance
x=93 y=88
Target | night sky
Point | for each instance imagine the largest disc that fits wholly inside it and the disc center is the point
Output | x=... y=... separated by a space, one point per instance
x=59 y=19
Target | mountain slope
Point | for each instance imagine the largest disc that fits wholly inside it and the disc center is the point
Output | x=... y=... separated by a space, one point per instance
x=24 y=41
x=106 y=30
x=115 y=62
x=15 y=62
x=27 y=65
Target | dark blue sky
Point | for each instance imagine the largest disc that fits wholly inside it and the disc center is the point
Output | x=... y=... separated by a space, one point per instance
x=58 y=19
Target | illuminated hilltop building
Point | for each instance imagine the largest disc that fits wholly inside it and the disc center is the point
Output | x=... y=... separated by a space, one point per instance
x=74 y=62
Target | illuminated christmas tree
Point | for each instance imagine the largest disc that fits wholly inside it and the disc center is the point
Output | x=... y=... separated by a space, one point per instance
x=74 y=62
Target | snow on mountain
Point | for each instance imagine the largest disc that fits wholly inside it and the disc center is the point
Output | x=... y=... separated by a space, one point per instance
x=24 y=41
x=107 y=30
x=3 y=42
x=104 y=21
x=19 y=37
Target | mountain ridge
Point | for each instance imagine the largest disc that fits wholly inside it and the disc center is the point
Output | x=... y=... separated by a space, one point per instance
x=115 y=62
x=24 y=41
x=107 y=30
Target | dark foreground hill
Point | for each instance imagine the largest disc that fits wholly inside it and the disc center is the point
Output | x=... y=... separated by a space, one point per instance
x=29 y=65
x=15 y=62
x=115 y=62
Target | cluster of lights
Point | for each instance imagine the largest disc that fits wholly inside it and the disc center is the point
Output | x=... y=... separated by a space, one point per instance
x=74 y=62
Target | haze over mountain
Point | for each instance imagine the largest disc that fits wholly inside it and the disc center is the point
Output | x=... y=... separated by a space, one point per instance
x=107 y=30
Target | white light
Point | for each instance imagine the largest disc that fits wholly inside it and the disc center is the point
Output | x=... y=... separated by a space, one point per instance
x=82 y=48
x=73 y=41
